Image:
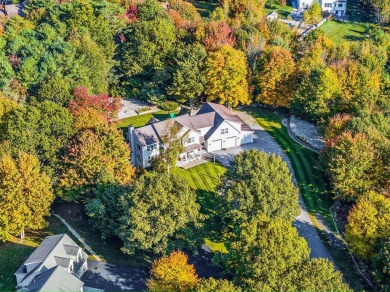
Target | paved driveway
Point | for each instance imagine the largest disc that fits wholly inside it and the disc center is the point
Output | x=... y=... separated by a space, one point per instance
x=264 y=142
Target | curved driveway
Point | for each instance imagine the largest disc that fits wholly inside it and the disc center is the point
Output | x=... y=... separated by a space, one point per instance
x=264 y=142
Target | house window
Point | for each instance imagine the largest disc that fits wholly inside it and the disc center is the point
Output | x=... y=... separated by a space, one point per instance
x=224 y=131
x=328 y=4
x=340 y=4
x=139 y=147
x=191 y=140
x=151 y=147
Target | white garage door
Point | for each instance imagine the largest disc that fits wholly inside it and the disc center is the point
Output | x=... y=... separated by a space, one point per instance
x=247 y=138
x=230 y=142
x=215 y=145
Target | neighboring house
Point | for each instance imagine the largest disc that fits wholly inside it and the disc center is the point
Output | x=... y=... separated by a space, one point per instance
x=338 y=8
x=55 y=265
x=213 y=128
x=272 y=16
x=304 y=4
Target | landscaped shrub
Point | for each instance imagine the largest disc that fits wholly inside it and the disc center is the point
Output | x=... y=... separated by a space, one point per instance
x=169 y=106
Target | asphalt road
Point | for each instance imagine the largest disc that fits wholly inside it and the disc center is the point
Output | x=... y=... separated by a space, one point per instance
x=264 y=142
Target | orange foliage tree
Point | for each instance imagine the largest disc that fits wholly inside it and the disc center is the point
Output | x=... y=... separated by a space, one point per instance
x=274 y=78
x=172 y=273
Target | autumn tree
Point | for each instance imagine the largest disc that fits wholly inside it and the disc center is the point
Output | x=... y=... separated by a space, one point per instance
x=269 y=255
x=368 y=221
x=274 y=78
x=218 y=34
x=257 y=183
x=313 y=14
x=92 y=153
x=226 y=73
x=352 y=166
x=172 y=273
x=216 y=285
x=156 y=211
x=7 y=105
x=25 y=195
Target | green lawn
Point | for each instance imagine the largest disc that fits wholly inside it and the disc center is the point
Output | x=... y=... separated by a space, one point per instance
x=142 y=119
x=204 y=179
x=340 y=32
x=283 y=11
x=203 y=7
x=14 y=252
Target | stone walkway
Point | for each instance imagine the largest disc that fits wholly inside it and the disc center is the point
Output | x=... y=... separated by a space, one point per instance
x=75 y=234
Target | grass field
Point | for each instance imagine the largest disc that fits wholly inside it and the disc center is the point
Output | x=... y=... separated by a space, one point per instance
x=204 y=7
x=282 y=11
x=14 y=252
x=340 y=32
x=204 y=179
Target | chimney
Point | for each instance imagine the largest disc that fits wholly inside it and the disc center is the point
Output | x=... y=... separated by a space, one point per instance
x=130 y=138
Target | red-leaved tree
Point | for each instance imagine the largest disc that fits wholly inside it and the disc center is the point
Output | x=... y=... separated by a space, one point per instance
x=104 y=105
x=217 y=35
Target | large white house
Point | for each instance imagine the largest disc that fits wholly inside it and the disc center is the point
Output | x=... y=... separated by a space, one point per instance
x=336 y=7
x=57 y=264
x=213 y=128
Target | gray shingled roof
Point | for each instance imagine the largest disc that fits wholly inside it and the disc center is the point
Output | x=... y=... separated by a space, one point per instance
x=55 y=279
x=42 y=251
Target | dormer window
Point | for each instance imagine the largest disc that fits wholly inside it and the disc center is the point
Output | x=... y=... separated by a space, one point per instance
x=224 y=131
x=191 y=140
x=151 y=147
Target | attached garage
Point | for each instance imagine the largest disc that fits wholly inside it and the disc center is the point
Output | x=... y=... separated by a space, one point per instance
x=247 y=137
x=230 y=142
x=214 y=145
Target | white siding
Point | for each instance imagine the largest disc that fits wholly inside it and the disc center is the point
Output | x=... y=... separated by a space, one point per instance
x=213 y=142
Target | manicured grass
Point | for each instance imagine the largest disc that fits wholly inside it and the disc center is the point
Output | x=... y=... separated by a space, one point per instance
x=142 y=119
x=109 y=249
x=282 y=11
x=313 y=184
x=14 y=252
x=204 y=179
x=340 y=32
x=204 y=7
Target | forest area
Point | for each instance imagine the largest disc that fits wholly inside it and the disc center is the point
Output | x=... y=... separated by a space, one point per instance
x=65 y=65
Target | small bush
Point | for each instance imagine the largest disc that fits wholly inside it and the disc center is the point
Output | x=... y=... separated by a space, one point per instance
x=144 y=109
x=169 y=106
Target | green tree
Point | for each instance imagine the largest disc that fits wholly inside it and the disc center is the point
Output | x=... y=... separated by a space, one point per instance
x=368 y=221
x=257 y=183
x=216 y=285
x=25 y=195
x=172 y=273
x=188 y=78
x=55 y=89
x=226 y=74
x=157 y=208
x=269 y=255
x=7 y=105
x=42 y=130
x=92 y=154
x=381 y=264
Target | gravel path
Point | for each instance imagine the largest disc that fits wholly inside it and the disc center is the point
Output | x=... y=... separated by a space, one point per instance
x=264 y=142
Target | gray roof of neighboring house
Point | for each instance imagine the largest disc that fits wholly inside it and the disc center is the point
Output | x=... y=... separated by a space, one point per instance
x=55 y=279
x=42 y=251
x=211 y=115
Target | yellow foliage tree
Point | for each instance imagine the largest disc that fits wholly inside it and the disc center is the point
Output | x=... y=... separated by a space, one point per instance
x=226 y=74
x=25 y=195
x=368 y=221
x=172 y=273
